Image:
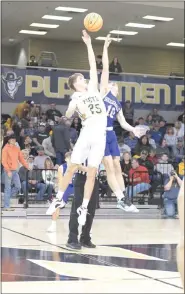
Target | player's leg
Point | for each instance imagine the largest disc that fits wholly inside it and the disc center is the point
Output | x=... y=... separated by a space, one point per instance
x=52 y=228
x=180 y=247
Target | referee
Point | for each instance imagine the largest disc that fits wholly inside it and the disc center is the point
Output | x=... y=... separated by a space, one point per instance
x=85 y=239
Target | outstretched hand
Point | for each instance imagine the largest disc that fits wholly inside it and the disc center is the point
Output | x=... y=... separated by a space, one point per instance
x=107 y=41
x=86 y=38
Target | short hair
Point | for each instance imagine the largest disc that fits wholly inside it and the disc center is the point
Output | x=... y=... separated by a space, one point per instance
x=72 y=79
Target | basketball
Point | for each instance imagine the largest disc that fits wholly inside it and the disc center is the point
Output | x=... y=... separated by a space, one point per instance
x=93 y=22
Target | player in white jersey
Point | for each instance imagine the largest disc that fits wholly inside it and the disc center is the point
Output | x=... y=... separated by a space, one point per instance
x=111 y=159
x=90 y=145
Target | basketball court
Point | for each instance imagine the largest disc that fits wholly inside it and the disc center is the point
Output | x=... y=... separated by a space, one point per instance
x=132 y=256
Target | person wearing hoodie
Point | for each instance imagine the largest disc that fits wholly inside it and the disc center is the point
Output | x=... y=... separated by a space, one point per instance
x=11 y=157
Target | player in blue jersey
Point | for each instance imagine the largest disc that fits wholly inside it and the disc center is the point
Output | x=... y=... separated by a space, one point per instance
x=111 y=159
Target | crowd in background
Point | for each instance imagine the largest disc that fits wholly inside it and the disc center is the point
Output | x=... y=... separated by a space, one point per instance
x=43 y=138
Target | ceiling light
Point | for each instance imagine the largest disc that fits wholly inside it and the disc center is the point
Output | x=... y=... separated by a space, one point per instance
x=113 y=39
x=139 y=25
x=43 y=25
x=175 y=44
x=32 y=32
x=124 y=32
x=158 y=18
x=71 y=9
x=56 y=17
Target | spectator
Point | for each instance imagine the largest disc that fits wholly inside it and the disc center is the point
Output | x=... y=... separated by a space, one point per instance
x=178 y=150
x=61 y=141
x=141 y=122
x=49 y=175
x=32 y=61
x=22 y=107
x=143 y=144
x=73 y=133
x=163 y=148
x=11 y=156
x=123 y=147
x=40 y=158
x=128 y=112
x=131 y=141
x=30 y=131
x=178 y=129
x=170 y=139
x=6 y=138
x=149 y=121
x=171 y=188
x=163 y=166
x=40 y=135
x=126 y=166
x=156 y=135
x=115 y=66
x=144 y=161
x=53 y=113
x=155 y=115
x=152 y=156
x=138 y=178
x=29 y=145
x=76 y=124
x=181 y=168
x=35 y=113
x=181 y=117
x=151 y=141
x=99 y=64
x=162 y=127
x=34 y=181
x=48 y=147
x=25 y=119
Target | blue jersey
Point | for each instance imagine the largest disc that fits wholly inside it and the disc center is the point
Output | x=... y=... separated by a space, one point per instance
x=113 y=106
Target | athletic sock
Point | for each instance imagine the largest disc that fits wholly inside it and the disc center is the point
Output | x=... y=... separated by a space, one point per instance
x=119 y=195
x=85 y=203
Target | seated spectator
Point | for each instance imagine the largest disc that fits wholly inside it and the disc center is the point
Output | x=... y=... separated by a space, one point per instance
x=143 y=144
x=73 y=133
x=178 y=129
x=123 y=147
x=163 y=148
x=30 y=131
x=163 y=166
x=32 y=61
x=149 y=121
x=152 y=156
x=181 y=117
x=131 y=141
x=138 y=178
x=170 y=137
x=40 y=158
x=25 y=119
x=115 y=66
x=126 y=166
x=144 y=161
x=53 y=113
x=34 y=181
x=49 y=175
x=40 y=135
x=151 y=140
x=181 y=170
x=171 y=188
x=155 y=115
x=48 y=147
x=76 y=124
x=162 y=127
x=29 y=146
x=128 y=112
x=178 y=150
x=99 y=64
x=156 y=135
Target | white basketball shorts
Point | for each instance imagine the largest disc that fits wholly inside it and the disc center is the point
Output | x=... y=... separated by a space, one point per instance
x=91 y=146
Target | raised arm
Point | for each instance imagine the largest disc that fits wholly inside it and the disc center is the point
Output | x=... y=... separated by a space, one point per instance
x=105 y=72
x=92 y=61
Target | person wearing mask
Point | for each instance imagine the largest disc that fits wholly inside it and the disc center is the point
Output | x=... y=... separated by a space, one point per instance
x=52 y=113
x=128 y=112
x=115 y=66
x=11 y=156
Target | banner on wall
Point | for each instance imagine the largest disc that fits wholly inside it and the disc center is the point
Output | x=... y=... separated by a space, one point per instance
x=45 y=86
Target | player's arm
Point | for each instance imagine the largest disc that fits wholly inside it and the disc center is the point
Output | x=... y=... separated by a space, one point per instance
x=123 y=123
x=71 y=108
x=105 y=72
x=92 y=61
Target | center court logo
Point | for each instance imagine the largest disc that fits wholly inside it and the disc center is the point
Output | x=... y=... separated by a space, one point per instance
x=11 y=83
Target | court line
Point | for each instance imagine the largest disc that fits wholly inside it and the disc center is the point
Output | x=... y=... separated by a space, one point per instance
x=92 y=258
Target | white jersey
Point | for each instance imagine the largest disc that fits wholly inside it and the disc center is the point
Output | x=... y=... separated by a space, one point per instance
x=90 y=107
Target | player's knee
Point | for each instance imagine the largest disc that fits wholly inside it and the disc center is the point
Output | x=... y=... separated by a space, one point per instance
x=108 y=165
x=116 y=162
x=91 y=173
